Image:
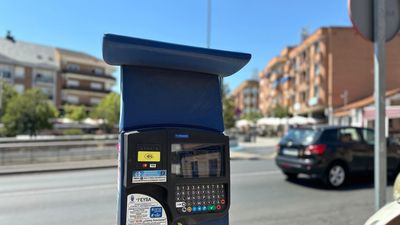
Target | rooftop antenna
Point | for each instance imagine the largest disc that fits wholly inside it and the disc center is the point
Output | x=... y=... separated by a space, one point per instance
x=10 y=37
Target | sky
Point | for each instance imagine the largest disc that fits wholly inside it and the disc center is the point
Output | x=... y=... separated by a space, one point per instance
x=259 y=27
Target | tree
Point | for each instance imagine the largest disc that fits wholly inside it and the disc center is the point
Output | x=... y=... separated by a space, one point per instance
x=253 y=116
x=280 y=112
x=76 y=113
x=7 y=93
x=228 y=107
x=28 y=113
x=108 y=110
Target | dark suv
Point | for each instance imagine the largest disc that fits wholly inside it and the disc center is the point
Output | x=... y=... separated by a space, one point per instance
x=331 y=153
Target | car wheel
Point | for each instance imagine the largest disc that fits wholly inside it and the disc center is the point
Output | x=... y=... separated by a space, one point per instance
x=335 y=176
x=291 y=176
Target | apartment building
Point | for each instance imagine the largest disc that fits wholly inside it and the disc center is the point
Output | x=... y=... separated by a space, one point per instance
x=328 y=69
x=26 y=65
x=275 y=84
x=246 y=97
x=85 y=80
x=65 y=76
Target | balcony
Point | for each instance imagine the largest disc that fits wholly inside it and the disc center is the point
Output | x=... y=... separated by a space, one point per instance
x=86 y=89
x=89 y=74
x=45 y=80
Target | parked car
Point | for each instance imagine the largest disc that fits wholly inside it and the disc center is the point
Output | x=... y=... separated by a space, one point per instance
x=390 y=213
x=331 y=153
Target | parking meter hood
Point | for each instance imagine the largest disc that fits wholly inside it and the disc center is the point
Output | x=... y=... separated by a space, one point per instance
x=122 y=50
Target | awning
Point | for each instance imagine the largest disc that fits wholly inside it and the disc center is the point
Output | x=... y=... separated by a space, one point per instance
x=392 y=112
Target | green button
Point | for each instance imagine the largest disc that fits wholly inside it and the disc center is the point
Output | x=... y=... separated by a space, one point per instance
x=209 y=207
x=213 y=207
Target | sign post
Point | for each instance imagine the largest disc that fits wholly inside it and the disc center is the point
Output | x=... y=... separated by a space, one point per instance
x=378 y=21
x=380 y=180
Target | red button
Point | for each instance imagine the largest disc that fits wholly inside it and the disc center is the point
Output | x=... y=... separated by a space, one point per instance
x=219 y=207
x=144 y=165
x=222 y=201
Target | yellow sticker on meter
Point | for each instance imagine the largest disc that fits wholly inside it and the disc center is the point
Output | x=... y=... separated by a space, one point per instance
x=145 y=156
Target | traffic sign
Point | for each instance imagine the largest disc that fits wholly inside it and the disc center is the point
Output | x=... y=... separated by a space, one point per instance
x=362 y=16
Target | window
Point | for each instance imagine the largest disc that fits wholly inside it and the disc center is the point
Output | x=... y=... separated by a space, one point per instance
x=303 y=96
x=96 y=86
x=5 y=72
x=316 y=47
x=348 y=135
x=43 y=76
x=316 y=91
x=20 y=88
x=72 y=67
x=72 y=83
x=304 y=77
x=98 y=71
x=368 y=136
x=19 y=72
x=95 y=101
x=329 y=136
x=72 y=99
x=317 y=69
x=108 y=86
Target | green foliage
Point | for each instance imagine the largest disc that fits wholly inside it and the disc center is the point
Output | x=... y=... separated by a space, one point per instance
x=28 y=113
x=280 y=112
x=76 y=113
x=253 y=116
x=108 y=110
x=72 y=132
x=7 y=94
x=228 y=107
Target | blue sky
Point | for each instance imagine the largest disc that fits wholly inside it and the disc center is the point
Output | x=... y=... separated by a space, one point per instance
x=259 y=27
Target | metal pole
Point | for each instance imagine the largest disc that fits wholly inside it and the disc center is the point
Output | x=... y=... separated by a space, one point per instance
x=379 y=83
x=209 y=24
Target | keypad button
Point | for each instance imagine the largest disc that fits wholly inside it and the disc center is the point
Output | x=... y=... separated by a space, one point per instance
x=200 y=198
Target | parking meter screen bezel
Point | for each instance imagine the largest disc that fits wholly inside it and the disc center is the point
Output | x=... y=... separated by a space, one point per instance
x=197 y=160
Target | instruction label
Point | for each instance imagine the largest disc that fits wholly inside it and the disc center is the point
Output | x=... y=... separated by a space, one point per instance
x=149 y=176
x=144 y=210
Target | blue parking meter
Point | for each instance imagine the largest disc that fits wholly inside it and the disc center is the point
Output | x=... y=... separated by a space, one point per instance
x=173 y=158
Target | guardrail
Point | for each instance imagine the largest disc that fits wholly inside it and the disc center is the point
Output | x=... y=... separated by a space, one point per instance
x=46 y=151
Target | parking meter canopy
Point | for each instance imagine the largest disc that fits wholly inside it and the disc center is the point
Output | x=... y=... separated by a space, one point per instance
x=169 y=85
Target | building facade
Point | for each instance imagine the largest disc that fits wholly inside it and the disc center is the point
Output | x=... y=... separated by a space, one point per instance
x=64 y=76
x=85 y=80
x=330 y=68
x=246 y=97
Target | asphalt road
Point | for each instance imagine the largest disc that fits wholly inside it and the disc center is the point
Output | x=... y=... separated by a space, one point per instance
x=260 y=195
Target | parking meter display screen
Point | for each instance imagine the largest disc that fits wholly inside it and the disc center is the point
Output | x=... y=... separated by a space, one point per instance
x=191 y=160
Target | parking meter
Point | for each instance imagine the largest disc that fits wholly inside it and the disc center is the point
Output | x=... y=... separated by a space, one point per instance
x=173 y=156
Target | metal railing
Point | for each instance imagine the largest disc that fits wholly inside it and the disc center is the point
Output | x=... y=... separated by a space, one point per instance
x=47 y=151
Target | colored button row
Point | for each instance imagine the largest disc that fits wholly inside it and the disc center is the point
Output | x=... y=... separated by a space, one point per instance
x=202 y=208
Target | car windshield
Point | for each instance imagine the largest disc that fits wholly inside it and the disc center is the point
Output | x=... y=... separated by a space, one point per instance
x=300 y=136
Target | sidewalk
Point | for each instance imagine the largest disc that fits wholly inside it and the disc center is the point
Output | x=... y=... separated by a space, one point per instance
x=261 y=142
